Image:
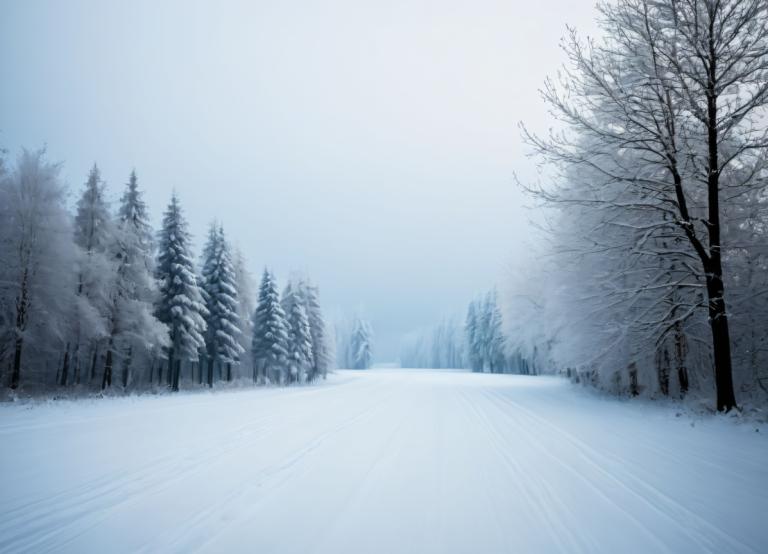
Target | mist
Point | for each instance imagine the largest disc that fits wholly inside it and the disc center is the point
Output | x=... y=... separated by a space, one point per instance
x=370 y=144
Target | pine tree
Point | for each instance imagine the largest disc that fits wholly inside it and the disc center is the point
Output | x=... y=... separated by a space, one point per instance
x=270 y=336
x=134 y=330
x=94 y=234
x=495 y=334
x=246 y=307
x=474 y=333
x=320 y=354
x=221 y=300
x=181 y=305
x=299 y=343
x=361 y=344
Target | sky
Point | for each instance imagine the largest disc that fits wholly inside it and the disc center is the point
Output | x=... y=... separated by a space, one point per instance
x=372 y=145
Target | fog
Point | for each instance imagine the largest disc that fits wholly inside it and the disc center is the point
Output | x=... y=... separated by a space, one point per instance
x=371 y=144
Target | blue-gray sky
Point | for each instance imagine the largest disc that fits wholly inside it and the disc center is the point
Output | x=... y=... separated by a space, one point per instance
x=371 y=144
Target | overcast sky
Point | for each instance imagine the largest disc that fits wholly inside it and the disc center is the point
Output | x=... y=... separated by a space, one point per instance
x=372 y=144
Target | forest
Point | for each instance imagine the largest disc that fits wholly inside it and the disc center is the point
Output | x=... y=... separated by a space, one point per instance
x=96 y=299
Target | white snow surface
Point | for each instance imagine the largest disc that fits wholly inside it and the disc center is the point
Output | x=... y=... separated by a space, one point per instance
x=380 y=461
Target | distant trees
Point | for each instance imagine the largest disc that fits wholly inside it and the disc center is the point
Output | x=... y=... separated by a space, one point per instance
x=441 y=346
x=484 y=335
x=361 y=344
x=661 y=158
x=354 y=343
x=90 y=299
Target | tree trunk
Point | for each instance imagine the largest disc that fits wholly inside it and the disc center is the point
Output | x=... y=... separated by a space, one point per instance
x=93 y=364
x=680 y=353
x=176 y=374
x=65 y=368
x=634 y=389
x=229 y=372
x=721 y=343
x=107 y=379
x=16 y=371
x=127 y=367
x=663 y=369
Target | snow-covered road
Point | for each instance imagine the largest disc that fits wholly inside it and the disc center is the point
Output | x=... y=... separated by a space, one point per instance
x=380 y=462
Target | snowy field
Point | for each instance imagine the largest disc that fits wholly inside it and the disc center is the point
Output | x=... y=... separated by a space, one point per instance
x=381 y=461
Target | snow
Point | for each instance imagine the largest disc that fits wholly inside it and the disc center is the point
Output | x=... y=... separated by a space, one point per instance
x=380 y=461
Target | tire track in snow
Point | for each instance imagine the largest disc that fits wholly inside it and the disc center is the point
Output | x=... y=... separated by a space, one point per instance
x=193 y=535
x=521 y=477
x=707 y=536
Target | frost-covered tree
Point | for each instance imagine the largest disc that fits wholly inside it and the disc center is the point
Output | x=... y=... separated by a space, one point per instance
x=270 y=335
x=320 y=344
x=135 y=334
x=246 y=306
x=95 y=235
x=180 y=306
x=439 y=346
x=475 y=333
x=37 y=285
x=219 y=285
x=664 y=135
x=494 y=334
x=299 y=343
x=361 y=344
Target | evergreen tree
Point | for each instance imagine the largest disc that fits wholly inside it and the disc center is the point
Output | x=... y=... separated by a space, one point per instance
x=270 y=336
x=495 y=334
x=317 y=329
x=246 y=307
x=181 y=305
x=94 y=234
x=361 y=344
x=474 y=332
x=299 y=344
x=221 y=299
x=133 y=329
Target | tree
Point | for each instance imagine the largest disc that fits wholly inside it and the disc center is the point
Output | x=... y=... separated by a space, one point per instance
x=665 y=112
x=221 y=299
x=246 y=307
x=181 y=306
x=270 y=335
x=475 y=332
x=94 y=234
x=134 y=332
x=361 y=344
x=494 y=339
x=320 y=358
x=299 y=343
x=36 y=252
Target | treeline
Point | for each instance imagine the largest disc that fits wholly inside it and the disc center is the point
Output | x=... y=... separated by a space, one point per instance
x=98 y=300
x=655 y=281
x=481 y=343
x=354 y=343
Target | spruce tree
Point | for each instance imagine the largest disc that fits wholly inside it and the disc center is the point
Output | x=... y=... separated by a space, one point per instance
x=94 y=234
x=221 y=299
x=181 y=305
x=270 y=335
x=495 y=334
x=134 y=330
x=361 y=344
x=299 y=344
x=320 y=354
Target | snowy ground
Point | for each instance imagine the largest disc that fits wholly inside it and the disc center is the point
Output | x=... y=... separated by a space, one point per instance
x=380 y=461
